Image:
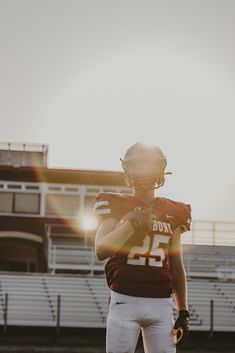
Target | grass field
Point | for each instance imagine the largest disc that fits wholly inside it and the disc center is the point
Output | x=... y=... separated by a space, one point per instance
x=85 y=349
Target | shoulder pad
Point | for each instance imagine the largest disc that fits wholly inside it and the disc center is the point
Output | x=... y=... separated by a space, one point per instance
x=182 y=214
x=106 y=204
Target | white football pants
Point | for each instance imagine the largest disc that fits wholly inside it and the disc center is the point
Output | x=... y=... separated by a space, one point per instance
x=129 y=315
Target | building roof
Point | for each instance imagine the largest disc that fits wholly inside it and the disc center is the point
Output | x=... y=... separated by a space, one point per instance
x=62 y=176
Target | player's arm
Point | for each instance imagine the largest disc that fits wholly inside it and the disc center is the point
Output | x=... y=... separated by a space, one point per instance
x=110 y=238
x=112 y=234
x=179 y=282
x=177 y=271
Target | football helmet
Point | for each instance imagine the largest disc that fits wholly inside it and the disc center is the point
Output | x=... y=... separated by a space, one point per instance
x=145 y=164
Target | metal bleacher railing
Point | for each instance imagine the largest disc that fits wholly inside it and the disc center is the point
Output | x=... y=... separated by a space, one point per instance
x=71 y=257
x=64 y=251
x=68 y=251
x=23 y=154
x=210 y=233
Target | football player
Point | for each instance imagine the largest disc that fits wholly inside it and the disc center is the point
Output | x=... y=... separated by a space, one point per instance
x=139 y=235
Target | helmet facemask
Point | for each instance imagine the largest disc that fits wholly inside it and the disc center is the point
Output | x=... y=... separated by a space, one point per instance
x=144 y=174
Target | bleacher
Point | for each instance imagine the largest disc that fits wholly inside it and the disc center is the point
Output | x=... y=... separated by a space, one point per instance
x=81 y=299
x=201 y=292
x=209 y=261
x=27 y=300
x=33 y=301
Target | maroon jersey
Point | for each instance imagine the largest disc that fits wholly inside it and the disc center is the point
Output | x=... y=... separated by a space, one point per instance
x=140 y=267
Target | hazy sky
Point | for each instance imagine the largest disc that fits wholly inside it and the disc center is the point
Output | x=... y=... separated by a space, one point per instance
x=92 y=77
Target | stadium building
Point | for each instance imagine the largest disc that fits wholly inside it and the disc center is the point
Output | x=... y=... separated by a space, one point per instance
x=49 y=275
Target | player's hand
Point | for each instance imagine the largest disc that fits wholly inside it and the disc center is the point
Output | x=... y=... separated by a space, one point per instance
x=181 y=327
x=141 y=219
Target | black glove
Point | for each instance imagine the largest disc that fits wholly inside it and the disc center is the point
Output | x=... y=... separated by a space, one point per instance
x=140 y=219
x=181 y=327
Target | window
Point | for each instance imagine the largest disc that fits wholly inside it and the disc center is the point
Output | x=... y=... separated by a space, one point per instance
x=67 y=205
x=6 y=202
x=109 y=190
x=54 y=188
x=19 y=202
x=126 y=191
x=97 y=191
x=71 y=189
x=14 y=186
x=27 y=203
x=32 y=187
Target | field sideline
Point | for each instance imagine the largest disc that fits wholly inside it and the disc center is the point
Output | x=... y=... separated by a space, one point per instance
x=38 y=340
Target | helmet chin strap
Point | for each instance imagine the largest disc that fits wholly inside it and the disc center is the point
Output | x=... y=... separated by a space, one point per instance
x=163 y=180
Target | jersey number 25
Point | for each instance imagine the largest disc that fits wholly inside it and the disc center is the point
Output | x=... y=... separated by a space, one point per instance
x=154 y=255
